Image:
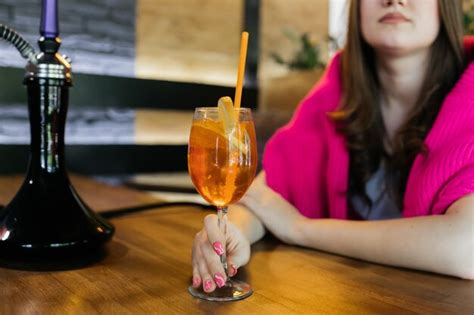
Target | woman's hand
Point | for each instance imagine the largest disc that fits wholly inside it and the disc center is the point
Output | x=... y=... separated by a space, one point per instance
x=209 y=244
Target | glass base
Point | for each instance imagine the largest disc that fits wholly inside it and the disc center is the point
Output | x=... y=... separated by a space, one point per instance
x=233 y=291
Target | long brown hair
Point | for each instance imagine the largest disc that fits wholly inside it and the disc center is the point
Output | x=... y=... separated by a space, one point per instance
x=359 y=116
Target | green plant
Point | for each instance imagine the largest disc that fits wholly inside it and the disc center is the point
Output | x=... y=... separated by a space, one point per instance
x=469 y=21
x=307 y=57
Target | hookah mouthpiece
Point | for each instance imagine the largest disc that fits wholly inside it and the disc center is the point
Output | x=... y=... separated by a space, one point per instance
x=49 y=30
x=49 y=19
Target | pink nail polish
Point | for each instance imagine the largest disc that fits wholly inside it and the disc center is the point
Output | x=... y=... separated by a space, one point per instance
x=219 y=279
x=196 y=281
x=232 y=270
x=207 y=285
x=218 y=248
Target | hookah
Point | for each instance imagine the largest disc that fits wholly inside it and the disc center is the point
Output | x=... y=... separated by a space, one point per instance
x=47 y=226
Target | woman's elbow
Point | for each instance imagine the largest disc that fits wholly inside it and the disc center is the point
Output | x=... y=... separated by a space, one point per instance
x=466 y=267
x=459 y=257
x=461 y=237
x=461 y=262
x=463 y=272
x=468 y=275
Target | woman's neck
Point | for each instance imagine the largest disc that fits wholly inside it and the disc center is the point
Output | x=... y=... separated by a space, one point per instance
x=401 y=79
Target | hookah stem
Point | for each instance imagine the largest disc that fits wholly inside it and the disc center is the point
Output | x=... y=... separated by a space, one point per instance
x=222 y=224
x=25 y=48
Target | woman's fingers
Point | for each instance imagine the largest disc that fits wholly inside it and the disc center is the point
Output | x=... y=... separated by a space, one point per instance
x=214 y=264
x=196 y=274
x=234 y=262
x=232 y=268
x=214 y=235
x=208 y=248
x=207 y=284
x=201 y=271
x=207 y=267
x=238 y=249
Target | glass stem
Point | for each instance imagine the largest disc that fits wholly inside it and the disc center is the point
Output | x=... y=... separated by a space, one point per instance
x=222 y=224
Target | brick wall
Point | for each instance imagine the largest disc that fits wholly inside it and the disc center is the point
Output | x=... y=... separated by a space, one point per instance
x=99 y=35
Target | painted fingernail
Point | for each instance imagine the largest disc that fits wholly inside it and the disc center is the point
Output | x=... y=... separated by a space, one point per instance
x=196 y=281
x=207 y=285
x=219 y=279
x=232 y=270
x=218 y=248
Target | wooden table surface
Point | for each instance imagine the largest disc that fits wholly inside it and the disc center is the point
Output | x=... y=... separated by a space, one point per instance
x=148 y=269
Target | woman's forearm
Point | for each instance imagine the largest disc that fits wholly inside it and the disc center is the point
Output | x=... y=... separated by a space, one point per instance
x=441 y=244
x=276 y=214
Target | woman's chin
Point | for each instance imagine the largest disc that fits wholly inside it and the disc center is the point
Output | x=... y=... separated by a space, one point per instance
x=398 y=49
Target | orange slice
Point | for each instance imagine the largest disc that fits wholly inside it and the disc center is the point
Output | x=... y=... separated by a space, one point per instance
x=227 y=114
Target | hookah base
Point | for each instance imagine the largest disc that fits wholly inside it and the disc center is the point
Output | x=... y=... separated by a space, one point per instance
x=48 y=227
x=50 y=258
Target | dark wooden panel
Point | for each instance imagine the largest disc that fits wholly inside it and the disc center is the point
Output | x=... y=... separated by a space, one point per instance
x=108 y=91
x=104 y=159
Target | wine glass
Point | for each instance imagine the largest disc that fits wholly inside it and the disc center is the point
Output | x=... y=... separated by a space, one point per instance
x=222 y=162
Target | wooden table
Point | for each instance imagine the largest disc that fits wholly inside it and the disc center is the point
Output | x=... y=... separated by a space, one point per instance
x=148 y=270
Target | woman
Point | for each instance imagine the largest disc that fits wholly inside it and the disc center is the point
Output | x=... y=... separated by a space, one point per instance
x=387 y=133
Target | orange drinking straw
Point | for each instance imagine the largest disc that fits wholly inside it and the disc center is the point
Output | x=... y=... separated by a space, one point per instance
x=240 y=75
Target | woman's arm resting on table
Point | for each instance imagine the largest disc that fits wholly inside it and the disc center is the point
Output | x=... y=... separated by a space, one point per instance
x=442 y=244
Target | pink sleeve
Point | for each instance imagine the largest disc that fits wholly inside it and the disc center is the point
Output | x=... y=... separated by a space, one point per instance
x=295 y=158
x=459 y=185
x=275 y=165
x=294 y=162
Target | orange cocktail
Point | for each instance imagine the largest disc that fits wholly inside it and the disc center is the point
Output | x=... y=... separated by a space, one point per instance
x=222 y=161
